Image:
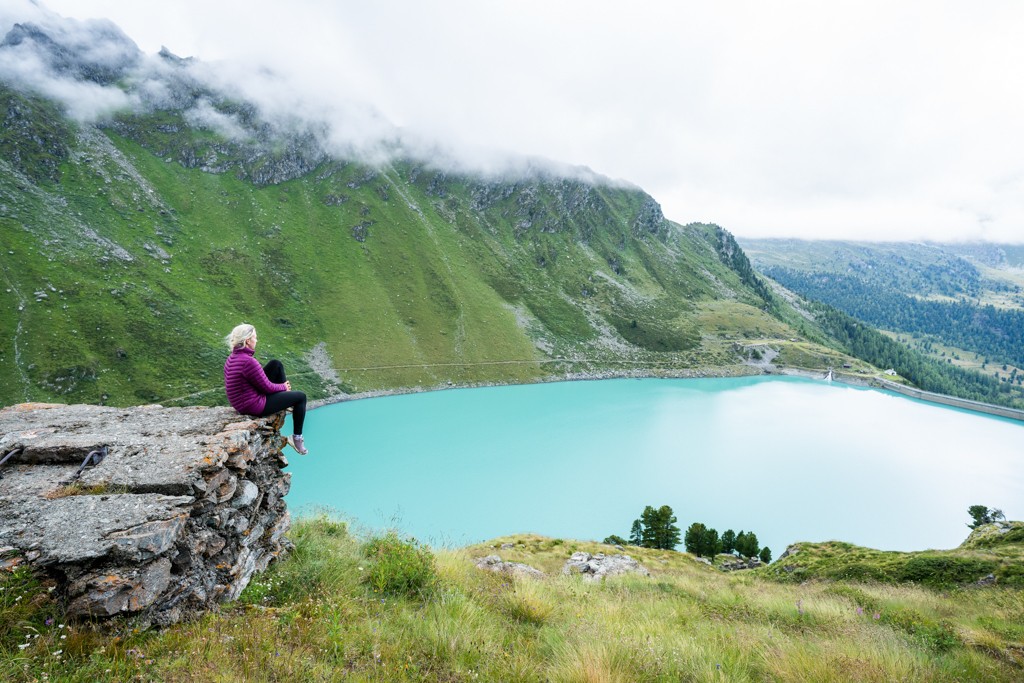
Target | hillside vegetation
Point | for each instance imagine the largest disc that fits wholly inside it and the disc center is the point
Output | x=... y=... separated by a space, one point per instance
x=386 y=609
x=130 y=247
x=956 y=311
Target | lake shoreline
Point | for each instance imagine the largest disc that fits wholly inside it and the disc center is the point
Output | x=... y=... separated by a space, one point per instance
x=745 y=370
x=646 y=373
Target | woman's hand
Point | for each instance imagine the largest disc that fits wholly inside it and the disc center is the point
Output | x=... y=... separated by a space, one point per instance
x=288 y=384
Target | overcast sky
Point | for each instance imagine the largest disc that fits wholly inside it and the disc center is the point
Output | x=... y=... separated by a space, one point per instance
x=854 y=120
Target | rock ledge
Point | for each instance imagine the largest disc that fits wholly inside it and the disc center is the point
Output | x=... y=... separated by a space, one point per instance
x=184 y=507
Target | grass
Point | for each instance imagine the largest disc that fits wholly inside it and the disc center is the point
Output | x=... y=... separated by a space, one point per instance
x=318 y=616
x=77 y=488
x=983 y=553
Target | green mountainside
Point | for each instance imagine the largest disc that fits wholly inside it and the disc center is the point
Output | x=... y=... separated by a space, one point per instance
x=131 y=247
x=132 y=242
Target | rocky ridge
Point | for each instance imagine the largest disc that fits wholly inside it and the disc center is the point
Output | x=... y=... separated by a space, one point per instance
x=152 y=511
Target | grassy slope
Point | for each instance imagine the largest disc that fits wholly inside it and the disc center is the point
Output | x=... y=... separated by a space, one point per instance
x=315 y=616
x=146 y=264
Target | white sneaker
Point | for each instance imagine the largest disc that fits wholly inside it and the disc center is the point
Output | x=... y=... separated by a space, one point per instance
x=295 y=441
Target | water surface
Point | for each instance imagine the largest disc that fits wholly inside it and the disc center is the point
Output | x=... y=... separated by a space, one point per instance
x=789 y=458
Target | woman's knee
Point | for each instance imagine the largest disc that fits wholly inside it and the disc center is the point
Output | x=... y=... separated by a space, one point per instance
x=274 y=370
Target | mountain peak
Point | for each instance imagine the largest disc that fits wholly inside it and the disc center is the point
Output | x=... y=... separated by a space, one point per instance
x=95 y=50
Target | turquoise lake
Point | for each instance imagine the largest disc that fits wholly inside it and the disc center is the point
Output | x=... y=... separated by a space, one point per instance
x=790 y=459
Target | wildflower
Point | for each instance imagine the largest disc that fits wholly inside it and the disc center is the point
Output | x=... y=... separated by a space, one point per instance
x=877 y=616
x=860 y=611
x=49 y=621
x=57 y=652
x=23 y=646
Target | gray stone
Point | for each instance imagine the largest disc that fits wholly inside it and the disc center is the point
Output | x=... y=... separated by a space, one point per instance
x=739 y=564
x=246 y=494
x=989 y=580
x=196 y=491
x=789 y=552
x=110 y=593
x=494 y=563
x=599 y=566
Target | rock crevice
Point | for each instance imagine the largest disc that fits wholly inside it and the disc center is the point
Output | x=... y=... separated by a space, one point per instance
x=185 y=506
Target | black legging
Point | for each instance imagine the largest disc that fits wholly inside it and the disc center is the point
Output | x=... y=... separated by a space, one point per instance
x=284 y=399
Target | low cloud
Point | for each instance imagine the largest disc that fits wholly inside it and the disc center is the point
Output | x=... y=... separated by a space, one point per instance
x=52 y=54
x=811 y=119
x=205 y=116
x=69 y=61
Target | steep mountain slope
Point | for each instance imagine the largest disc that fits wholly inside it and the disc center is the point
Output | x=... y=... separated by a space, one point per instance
x=132 y=245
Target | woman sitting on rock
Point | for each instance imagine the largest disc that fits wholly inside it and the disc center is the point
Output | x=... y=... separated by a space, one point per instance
x=261 y=390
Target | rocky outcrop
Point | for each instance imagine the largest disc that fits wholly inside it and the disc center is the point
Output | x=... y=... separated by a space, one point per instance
x=161 y=512
x=494 y=563
x=995 y=534
x=740 y=563
x=599 y=566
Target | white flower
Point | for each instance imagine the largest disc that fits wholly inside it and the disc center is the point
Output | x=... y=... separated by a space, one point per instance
x=23 y=646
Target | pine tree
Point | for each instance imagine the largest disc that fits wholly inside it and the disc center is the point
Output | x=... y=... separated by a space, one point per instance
x=693 y=538
x=746 y=544
x=636 y=534
x=658 y=528
x=701 y=540
x=728 y=541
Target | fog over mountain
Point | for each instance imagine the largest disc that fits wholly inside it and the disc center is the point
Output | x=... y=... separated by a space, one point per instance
x=94 y=69
x=865 y=120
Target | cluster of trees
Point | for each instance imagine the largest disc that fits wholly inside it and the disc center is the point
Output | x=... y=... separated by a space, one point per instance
x=657 y=528
x=732 y=255
x=984 y=515
x=863 y=341
x=987 y=330
x=705 y=542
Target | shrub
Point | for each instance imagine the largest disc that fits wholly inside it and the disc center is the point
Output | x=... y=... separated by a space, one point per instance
x=398 y=566
x=944 y=570
x=938 y=635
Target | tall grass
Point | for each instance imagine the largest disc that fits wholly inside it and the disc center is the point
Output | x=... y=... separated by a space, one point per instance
x=319 y=615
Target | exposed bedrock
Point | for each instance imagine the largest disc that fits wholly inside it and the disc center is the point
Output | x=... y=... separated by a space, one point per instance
x=183 y=506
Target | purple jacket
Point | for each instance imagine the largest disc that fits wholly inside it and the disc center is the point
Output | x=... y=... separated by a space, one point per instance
x=246 y=384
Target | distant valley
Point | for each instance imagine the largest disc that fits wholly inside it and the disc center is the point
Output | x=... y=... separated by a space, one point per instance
x=961 y=304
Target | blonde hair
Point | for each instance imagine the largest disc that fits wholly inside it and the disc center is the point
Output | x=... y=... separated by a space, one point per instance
x=239 y=335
